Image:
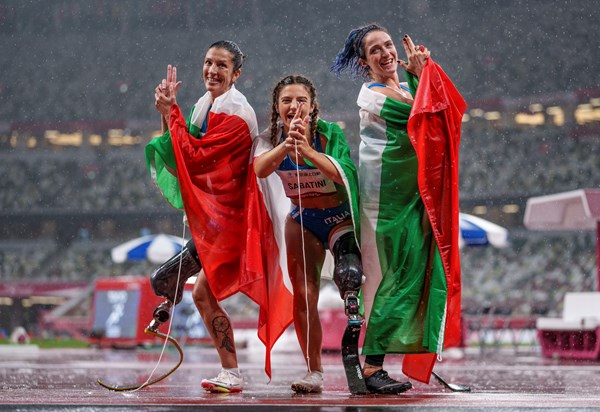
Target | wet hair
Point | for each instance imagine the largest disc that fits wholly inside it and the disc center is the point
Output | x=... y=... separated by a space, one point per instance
x=353 y=50
x=234 y=49
x=314 y=115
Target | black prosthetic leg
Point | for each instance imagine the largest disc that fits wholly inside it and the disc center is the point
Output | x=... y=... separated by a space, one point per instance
x=165 y=283
x=348 y=276
x=348 y=271
x=164 y=279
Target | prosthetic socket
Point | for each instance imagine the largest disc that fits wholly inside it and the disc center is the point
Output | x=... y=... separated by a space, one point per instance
x=348 y=273
x=164 y=279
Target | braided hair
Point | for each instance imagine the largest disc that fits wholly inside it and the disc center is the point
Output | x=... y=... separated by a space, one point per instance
x=234 y=49
x=314 y=115
x=353 y=50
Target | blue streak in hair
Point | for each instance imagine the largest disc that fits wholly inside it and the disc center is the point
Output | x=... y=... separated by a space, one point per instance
x=349 y=56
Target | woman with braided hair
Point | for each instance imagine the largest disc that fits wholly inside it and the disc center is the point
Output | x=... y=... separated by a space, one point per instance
x=408 y=171
x=312 y=159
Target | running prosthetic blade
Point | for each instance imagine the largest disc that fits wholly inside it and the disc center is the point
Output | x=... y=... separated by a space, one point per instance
x=350 y=358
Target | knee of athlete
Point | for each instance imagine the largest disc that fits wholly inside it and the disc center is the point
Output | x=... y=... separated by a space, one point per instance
x=304 y=292
x=300 y=298
x=201 y=299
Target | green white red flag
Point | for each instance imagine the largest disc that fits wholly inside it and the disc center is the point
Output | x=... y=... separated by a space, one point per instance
x=208 y=176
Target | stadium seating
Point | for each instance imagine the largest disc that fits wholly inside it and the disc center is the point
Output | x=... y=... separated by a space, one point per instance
x=75 y=65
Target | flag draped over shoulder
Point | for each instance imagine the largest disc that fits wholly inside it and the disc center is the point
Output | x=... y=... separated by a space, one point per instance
x=407 y=279
x=338 y=152
x=434 y=130
x=207 y=176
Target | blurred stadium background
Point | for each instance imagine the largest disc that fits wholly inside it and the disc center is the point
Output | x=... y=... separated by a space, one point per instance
x=76 y=109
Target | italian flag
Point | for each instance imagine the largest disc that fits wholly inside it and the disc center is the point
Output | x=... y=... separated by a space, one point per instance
x=408 y=173
x=207 y=175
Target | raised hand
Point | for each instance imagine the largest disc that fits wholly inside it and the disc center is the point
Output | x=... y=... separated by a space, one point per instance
x=172 y=78
x=300 y=134
x=164 y=98
x=168 y=86
x=416 y=56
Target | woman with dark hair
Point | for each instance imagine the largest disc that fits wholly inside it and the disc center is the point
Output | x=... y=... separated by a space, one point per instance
x=312 y=159
x=201 y=167
x=408 y=171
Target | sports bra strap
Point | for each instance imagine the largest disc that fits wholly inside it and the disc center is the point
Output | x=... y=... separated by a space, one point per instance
x=383 y=85
x=376 y=85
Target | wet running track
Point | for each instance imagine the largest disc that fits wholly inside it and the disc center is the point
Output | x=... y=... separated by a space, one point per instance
x=33 y=379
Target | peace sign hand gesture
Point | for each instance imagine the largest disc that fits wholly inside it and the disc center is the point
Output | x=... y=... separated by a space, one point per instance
x=416 y=55
x=165 y=98
x=167 y=87
x=171 y=79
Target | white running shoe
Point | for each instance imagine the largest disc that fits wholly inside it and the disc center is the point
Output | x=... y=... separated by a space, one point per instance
x=311 y=383
x=225 y=382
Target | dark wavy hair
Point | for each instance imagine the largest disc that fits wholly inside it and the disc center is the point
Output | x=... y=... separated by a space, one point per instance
x=312 y=91
x=234 y=49
x=353 y=50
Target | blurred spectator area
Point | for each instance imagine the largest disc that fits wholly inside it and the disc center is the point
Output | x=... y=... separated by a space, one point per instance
x=101 y=60
x=77 y=107
x=529 y=277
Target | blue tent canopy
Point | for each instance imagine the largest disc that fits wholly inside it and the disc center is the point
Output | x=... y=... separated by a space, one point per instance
x=155 y=248
x=475 y=231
